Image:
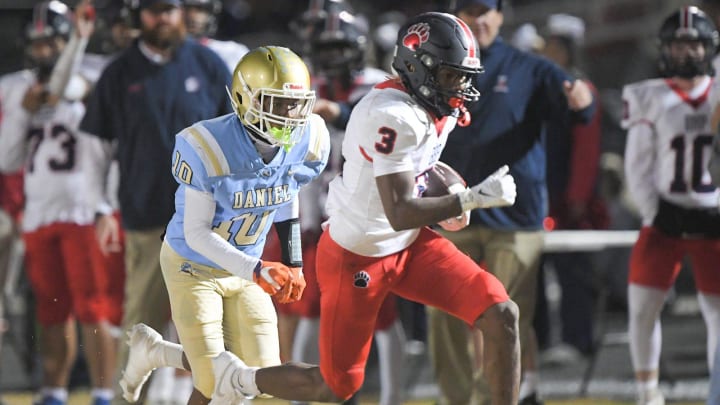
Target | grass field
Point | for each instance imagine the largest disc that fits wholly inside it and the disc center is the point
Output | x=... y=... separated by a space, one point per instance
x=82 y=398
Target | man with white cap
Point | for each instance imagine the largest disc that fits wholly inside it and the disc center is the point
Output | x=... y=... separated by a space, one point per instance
x=526 y=38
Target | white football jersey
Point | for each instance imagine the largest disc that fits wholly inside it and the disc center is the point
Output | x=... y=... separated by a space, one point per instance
x=61 y=165
x=313 y=197
x=388 y=132
x=668 y=144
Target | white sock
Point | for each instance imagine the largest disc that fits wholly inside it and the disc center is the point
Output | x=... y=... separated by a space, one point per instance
x=529 y=383
x=59 y=393
x=245 y=378
x=182 y=389
x=391 y=357
x=169 y=354
x=644 y=306
x=161 y=385
x=710 y=308
x=102 y=393
x=305 y=344
x=650 y=385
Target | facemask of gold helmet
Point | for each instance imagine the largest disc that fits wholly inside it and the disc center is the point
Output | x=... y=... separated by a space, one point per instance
x=271 y=94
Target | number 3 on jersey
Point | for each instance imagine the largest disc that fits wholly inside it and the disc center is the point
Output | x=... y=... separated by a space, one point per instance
x=66 y=141
x=387 y=141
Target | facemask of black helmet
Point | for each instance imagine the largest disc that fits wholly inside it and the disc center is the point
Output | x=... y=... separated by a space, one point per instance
x=688 y=43
x=338 y=44
x=448 y=88
x=436 y=57
x=46 y=34
x=686 y=59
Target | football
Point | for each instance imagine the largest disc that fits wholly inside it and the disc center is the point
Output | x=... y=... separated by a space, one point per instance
x=440 y=178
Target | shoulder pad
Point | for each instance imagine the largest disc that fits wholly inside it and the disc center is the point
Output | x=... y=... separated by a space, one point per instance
x=207 y=149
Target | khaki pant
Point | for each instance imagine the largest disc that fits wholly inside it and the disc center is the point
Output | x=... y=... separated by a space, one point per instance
x=214 y=310
x=146 y=298
x=514 y=258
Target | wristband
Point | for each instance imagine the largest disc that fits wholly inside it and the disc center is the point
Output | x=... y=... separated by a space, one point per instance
x=467 y=200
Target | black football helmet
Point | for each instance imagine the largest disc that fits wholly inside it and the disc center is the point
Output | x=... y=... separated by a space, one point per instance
x=431 y=41
x=689 y=23
x=49 y=19
x=50 y=24
x=213 y=8
x=338 y=41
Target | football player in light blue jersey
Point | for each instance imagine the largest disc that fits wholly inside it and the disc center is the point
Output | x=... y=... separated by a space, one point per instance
x=238 y=174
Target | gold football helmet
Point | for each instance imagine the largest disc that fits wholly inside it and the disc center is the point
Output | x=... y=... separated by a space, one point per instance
x=271 y=94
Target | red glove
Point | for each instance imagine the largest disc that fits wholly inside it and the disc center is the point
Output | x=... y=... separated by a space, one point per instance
x=272 y=276
x=293 y=290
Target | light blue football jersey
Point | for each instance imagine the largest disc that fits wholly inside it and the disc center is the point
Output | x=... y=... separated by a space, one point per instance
x=217 y=156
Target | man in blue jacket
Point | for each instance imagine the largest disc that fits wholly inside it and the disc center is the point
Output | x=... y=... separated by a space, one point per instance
x=521 y=92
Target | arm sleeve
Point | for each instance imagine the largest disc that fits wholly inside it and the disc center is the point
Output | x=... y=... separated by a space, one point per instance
x=640 y=159
x=197 y=228
x=68 y=63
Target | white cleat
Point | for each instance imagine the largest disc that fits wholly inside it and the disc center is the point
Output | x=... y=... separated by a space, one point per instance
x=225 y=367
x=651 y=397
x=141 y=339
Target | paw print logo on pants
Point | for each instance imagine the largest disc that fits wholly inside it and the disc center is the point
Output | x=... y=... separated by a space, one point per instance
x=361 y=279
x=416 y=35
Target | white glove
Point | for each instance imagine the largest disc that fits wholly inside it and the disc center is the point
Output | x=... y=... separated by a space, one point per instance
x=498 y=190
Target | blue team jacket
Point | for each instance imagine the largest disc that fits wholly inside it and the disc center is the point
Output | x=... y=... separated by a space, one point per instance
x=520 y=92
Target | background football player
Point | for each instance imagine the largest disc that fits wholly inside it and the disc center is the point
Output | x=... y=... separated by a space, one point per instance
x=201 y=21
x=666 y=159
x=41 y=109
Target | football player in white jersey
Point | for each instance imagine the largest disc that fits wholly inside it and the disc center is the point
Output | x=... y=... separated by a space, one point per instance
x=666 y=158
x=41 y=109
x=238 y=175
x=337 y=41
x=201 y=23
x=376 y=240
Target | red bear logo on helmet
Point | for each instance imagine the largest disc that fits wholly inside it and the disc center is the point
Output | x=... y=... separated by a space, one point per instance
x=416 y=35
